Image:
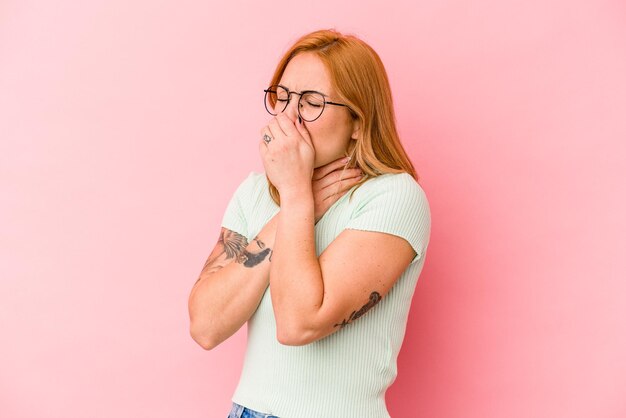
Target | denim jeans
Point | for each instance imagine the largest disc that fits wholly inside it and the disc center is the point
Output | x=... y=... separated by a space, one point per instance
x=239 y=411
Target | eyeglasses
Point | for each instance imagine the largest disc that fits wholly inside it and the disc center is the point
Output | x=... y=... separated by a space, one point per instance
x=311 y=103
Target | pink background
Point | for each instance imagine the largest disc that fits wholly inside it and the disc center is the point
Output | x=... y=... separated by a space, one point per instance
x=126 y=126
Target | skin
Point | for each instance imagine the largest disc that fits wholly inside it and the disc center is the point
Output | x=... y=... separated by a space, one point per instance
x=312 y=296
x=236 y=273
x=330 y=134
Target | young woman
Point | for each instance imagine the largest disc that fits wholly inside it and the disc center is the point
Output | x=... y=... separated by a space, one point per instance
x=320 y=254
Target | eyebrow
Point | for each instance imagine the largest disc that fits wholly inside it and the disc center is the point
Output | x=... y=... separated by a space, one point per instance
x=303 y=91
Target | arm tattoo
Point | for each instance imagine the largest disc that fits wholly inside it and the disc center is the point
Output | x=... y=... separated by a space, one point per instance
x=252 y=259
x=232 y=246
x=374 y=299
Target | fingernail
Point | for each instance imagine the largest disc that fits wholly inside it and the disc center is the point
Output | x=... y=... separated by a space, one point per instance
x=345 y=160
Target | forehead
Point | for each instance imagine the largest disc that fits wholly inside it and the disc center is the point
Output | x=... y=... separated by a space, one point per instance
x=306 y=71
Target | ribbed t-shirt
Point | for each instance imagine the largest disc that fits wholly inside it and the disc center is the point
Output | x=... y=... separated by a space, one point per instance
x=346 y=373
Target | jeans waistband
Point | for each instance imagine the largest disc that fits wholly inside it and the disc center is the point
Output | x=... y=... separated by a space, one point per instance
x=237 y=411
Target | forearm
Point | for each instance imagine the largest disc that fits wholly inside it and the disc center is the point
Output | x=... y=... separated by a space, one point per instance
x=224 y=298
x=296 y=283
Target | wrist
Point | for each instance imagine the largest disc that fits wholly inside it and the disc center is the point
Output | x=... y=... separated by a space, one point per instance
x=294 y=195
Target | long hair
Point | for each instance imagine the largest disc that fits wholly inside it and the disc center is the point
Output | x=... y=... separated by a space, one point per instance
x=360 y=80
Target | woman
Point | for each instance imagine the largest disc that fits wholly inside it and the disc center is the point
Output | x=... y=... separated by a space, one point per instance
x=323 y=277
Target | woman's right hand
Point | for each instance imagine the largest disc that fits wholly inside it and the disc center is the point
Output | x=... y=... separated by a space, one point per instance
x=330 y=182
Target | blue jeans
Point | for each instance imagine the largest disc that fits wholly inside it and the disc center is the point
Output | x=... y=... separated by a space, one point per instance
x=239 y=411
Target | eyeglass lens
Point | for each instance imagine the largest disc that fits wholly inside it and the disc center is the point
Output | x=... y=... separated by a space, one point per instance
x=310 y=104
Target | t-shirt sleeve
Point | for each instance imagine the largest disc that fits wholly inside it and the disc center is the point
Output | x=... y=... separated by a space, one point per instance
x=395 y=204
x=235 y=217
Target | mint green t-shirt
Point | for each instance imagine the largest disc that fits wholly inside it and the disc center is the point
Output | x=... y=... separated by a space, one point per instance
x=345 y=374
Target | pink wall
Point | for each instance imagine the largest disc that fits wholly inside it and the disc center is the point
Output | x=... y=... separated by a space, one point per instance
x=125 y=127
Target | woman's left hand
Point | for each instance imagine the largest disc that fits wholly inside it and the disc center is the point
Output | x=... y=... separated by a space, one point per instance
x=289 y=157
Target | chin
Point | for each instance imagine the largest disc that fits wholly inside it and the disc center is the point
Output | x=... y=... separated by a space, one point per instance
x=320 y=161
x=318 y=164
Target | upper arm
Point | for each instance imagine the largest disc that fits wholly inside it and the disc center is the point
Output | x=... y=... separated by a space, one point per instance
x=358 y=269
x=389 y=229
x=232 y=240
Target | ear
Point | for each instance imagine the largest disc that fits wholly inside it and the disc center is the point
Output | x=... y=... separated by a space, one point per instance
x=356 y=129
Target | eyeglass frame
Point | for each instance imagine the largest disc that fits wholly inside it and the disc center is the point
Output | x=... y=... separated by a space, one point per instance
x=302 y=93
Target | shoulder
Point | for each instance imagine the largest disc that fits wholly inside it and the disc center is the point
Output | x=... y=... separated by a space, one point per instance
x=391 y=180
x=397 y=187
x=395 y=204
x=253 y=179
x=251 y=184
x=241 y=207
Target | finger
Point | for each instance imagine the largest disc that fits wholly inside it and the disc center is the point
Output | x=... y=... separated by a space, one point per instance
x=335 y=177
x=286 y=125
x=276 y=129
x=304 y=131
x=266 y=131
x=329 y=168
x=346 y=185
x=273 y=132
x=263 y=151
x=341 y=187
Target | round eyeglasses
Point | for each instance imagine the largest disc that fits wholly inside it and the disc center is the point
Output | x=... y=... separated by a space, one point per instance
x=311 y=103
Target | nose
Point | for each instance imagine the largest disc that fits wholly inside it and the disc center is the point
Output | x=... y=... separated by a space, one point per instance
x=292 y=107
